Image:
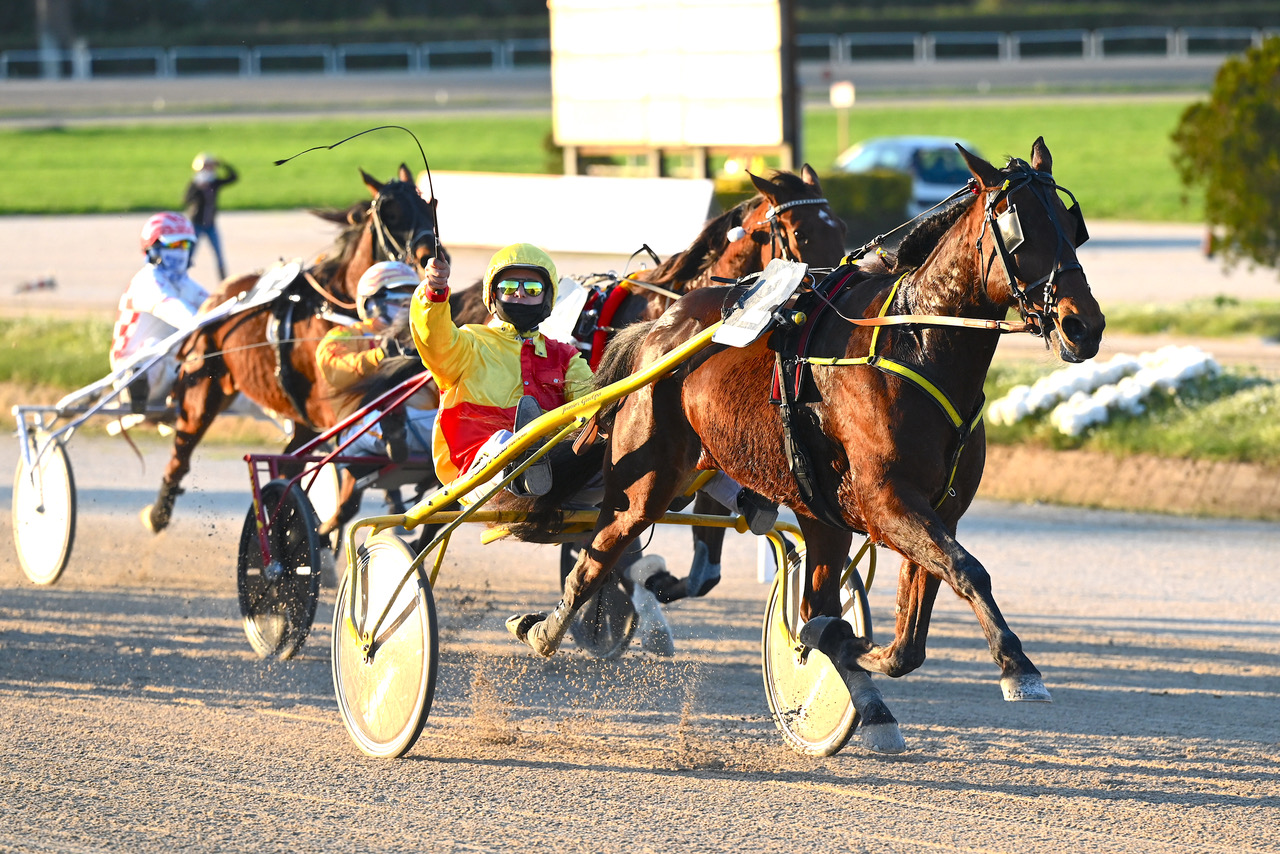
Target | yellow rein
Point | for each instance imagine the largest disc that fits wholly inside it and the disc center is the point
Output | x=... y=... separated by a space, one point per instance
x=911 y=375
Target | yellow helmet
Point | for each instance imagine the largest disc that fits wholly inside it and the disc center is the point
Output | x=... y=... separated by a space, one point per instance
x=523 y=256
x=203 y=160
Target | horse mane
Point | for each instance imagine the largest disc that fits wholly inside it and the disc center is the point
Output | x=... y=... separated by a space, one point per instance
x=921 y=240
x=710 y=243
x=467 y=305
x=344 y=245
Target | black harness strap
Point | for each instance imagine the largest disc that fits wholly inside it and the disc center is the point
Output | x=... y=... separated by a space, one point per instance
x=801 y=466
x=295 y=386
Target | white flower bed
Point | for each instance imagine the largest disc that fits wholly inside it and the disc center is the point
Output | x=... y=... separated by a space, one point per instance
x=1086 y=394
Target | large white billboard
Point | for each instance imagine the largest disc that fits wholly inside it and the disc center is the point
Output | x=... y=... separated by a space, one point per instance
x=667 y=73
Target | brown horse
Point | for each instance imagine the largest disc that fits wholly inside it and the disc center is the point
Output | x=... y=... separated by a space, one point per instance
x=890 y=457
x=788 y=218
x=269 y=352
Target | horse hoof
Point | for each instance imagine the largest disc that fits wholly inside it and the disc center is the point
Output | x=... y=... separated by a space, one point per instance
x=148 y=522
x=653 y=628
x=531 y=630
x=1027 y=688
x=882 y=738
x=519 y=625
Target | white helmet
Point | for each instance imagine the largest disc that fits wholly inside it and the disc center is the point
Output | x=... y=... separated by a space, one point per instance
x=383 y=283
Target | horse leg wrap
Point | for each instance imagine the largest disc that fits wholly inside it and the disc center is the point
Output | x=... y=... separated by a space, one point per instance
x=156 y=516
x=834 y=638
x=703 y=574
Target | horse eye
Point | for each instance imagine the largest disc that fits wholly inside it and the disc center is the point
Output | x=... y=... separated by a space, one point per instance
x=800 y=237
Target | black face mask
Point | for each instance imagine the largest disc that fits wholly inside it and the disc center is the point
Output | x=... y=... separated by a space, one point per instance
x=524 y=318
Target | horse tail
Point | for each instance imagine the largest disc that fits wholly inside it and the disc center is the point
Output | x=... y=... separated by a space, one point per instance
x=620 y=359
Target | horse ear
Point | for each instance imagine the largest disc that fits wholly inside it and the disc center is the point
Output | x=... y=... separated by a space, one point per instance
x=765 y=186
x=987 y=175
x=405 y=174
x=809 y=176
x=375 y=186
x=1041 y=159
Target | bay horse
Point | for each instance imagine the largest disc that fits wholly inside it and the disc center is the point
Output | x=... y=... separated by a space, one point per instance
x=268 y=353
x=889 y=457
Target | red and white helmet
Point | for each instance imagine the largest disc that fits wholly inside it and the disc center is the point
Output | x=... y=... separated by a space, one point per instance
x=167 y=228
x=394 y=280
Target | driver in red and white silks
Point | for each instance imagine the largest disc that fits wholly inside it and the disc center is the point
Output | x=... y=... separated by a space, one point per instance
x=160 y=299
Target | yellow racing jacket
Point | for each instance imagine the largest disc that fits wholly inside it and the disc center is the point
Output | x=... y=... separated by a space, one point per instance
x=483 y=371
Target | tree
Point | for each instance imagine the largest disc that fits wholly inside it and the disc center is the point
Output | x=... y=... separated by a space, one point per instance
x=1230 y=145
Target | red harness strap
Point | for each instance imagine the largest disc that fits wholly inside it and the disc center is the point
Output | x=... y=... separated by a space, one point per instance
x=604 y=321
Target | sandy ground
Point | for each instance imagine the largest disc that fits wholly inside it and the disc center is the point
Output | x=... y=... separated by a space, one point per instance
x=137 y=718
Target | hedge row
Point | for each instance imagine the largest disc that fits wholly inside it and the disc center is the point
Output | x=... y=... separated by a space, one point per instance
x=870 y=203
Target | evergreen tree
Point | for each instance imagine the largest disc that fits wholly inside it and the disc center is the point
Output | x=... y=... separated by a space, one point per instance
x=1230 y=145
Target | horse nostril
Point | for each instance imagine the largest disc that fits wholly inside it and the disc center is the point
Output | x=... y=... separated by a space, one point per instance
x=1076 y=330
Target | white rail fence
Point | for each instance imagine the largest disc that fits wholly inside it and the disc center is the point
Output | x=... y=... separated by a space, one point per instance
x=84 y=62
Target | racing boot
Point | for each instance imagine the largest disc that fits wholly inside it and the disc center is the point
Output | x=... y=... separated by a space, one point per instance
x=536 y=479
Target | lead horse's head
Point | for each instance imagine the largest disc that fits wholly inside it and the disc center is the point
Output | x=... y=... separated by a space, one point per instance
x=403 y=223
x=1027 y=251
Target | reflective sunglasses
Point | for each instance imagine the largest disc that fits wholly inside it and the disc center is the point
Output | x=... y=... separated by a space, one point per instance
x=509 y=288
x=176 y=244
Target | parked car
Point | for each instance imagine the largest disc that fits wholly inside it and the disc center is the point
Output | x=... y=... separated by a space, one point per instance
x=935 y=166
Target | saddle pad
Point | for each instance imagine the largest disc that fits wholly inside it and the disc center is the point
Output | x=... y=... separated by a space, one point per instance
x=754 y=311
x=270 y=285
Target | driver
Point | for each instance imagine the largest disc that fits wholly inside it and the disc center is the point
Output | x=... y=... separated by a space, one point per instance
x=160 y=299
x=498 y=377
x=348 y=354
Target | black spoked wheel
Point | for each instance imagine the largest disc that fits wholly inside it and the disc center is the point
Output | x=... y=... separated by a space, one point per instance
x=605 y=625
x=809 y=701
x=44 y=512
x=384 y=667
x=278 y=595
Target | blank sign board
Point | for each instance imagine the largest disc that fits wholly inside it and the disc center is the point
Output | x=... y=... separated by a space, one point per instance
x=666 y=73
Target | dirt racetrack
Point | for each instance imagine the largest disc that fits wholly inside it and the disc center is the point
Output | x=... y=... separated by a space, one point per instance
x=137 y=719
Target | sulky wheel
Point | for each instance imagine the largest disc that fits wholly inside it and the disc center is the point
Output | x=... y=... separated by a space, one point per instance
x=809 y=701
x=384 y=673
x=44 y=512
x=605 y=625
x=278 y=596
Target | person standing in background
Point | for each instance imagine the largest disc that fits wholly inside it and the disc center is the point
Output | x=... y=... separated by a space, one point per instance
x=201 y=201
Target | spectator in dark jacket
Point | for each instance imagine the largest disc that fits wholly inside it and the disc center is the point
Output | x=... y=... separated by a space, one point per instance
x=201 y=201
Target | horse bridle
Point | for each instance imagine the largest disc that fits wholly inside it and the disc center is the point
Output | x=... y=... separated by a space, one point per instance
x=778 y=242
x=1006 y=230
x=388 y=246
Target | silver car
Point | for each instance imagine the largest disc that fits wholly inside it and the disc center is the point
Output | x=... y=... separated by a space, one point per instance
x=936 y=168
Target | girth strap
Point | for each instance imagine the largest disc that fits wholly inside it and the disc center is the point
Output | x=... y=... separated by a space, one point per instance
x=964 y=427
